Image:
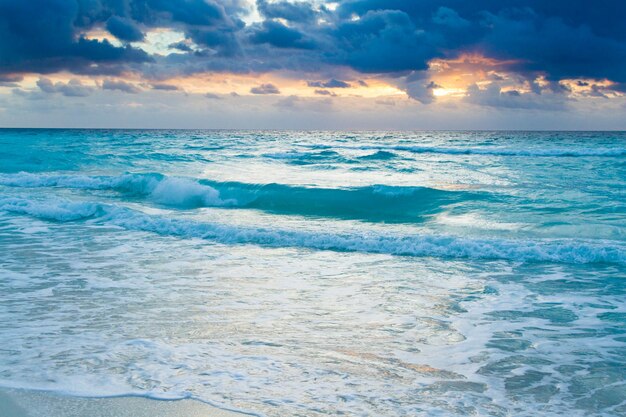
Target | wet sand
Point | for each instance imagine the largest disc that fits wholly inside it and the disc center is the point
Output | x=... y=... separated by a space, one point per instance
x=24 y=403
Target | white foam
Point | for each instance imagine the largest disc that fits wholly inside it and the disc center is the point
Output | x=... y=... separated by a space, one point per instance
x=555 y=152
x=185 y=192
x=171 y=191
x=58 y=210
x=537 y=250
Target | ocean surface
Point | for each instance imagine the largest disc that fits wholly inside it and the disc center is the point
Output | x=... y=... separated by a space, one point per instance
x=318 y=273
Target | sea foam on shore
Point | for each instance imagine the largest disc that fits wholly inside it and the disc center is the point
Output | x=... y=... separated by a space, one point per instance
x=27 y=403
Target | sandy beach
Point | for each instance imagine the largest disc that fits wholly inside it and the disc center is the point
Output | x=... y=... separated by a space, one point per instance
x=24 y=403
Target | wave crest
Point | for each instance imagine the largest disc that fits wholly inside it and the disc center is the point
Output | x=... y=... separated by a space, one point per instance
x=540 y=250
x=376 y=203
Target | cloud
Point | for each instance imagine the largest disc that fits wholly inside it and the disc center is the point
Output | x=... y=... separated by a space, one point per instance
x=29 y=95
x=325 y=93
x=418 y=87
x=181 y=46
x=265 y=89
x=46 y=86
x=561 y=38
x=390 y=39
x=553 y=46
x=124 y=29
x=280 y=36
x=222 y=41
x=10 y=80
x=164 y=87
x=295 y=12
x=120 y=86
x=383 y=41
x=597 y=91
x=290 y=102
x=449 y=17
x=333 y=83
x=213 y=96
x=192 y=12
x=41 y=36
x=295 y=103
x=386 y=102
x=73 y=88
x=494 y=96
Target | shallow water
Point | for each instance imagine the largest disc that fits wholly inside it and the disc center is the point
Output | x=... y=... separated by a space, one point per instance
x=316 y=273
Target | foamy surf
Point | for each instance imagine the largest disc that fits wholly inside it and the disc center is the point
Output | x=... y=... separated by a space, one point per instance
x=255 y=272
x=24 y=402
x=181 y=192
x=380 y=203
x=492 y=151
x=547 y=250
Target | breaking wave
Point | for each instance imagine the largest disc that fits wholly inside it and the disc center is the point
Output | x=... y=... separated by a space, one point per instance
x=377 y=203
x=574 y=251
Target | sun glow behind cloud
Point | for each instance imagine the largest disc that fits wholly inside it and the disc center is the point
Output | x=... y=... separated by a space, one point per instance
x=415 y=55
x=157 y=41
x=451 y=79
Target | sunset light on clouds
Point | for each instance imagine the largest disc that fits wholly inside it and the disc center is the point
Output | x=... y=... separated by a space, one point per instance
x=310 y=208
x=474 y=64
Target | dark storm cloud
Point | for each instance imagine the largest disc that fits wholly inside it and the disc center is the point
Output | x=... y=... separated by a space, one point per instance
x=192 y=12
x=383 y=41
x=181 y=46
x=295 y=12
x=558 y=38
x=281 y=36
x=222 y=41
x=45 y=36
x=562 y=38
x=124 y=29
x=41 y=36
x=551 y=45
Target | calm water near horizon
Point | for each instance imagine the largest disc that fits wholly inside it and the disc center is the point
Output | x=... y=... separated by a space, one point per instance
x=318 y=273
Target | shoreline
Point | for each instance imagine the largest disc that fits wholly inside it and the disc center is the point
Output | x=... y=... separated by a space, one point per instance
x=17 y=402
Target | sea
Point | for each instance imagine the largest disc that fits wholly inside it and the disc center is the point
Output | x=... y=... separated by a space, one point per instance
x=315 y=273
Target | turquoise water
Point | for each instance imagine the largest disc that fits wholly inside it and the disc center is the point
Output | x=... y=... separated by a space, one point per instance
x=318 y=273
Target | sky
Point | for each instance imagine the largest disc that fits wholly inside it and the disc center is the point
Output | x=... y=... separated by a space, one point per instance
x=288 y=64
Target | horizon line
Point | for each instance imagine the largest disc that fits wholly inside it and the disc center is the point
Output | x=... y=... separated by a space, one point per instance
x=315 y=130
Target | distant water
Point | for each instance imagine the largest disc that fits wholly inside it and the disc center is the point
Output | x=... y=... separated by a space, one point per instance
x=315 y=273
